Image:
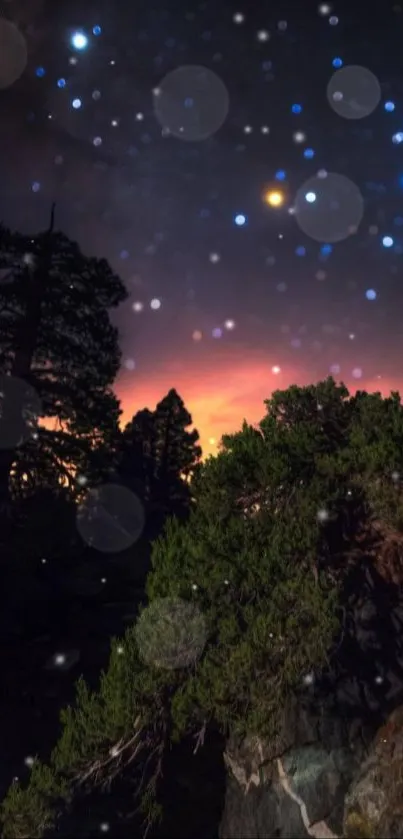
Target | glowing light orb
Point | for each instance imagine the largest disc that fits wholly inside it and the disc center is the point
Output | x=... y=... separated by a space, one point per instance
x=370 y=294
x=59 y=659
x=155 y=303
x=299 y=137
x=310 y=197
x=387 y=241
x=240 y=220
x=397 y=138
x=274 y=199
x=79 y=41
x=280 y=175
x=337 y=62
x=389 y=107
x=296 y=109
x=61 y=83
x=40 y=72
x=229 y=324
x=300 y=251
x=217 y=332
x=276 y=370
x=333 y=20
x=309 y=154
x=96 y=30
x=76 y=103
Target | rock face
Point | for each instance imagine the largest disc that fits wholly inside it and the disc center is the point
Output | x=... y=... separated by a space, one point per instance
x=374 y=805
x=296 y=786
x=332 y=784
x=336 y=768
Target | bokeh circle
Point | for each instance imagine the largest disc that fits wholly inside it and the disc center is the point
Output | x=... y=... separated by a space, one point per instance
x=171 y=633
x=13 y=53
x=191 y=103
x=335 y=212
x=111 y=518
x=354 y=92
x=20 y=408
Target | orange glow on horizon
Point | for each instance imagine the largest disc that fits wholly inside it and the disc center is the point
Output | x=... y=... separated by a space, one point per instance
x=220 y=395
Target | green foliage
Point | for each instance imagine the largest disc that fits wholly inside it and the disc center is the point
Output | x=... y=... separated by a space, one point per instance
x=259 y=566
x=28 y=813
x=268 y=621
x=170 y=633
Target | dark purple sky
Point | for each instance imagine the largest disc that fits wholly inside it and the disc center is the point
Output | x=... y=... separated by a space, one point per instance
x=155 y=160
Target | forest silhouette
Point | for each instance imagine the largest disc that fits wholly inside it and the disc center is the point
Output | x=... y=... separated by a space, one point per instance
x=156 y=602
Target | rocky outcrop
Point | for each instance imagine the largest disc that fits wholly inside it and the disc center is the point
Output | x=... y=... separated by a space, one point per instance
x=295 y=785
x=336 y=767
x=374 y=805
x=332 y=784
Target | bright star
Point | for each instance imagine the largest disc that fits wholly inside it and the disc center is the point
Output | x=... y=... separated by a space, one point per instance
x=79 y=41
x=274 y=198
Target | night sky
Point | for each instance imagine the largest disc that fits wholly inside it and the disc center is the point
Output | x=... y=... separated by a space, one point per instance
x=241 y=168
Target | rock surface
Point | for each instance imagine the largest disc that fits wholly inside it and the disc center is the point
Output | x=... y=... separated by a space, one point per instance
x=295 y=786
x=374 y=805
x=327 y=785
x=336 y=767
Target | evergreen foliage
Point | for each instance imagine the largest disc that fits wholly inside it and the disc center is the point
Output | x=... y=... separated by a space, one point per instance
x=159 y=456
x=56 y=336
x=260 y=571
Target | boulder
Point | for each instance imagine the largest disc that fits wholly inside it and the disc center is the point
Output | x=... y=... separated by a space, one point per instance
x=296 y=784
x=374 y=804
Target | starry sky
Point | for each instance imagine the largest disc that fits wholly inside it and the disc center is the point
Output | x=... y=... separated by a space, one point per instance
x=241 y=168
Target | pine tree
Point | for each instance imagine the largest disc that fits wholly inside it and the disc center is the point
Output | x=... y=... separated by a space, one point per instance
x=177 y=453
x=236 y=619
x=137 y=461
x=159 y=456
x=57 y=341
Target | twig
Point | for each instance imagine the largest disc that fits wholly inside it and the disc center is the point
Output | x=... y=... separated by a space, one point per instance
x=200 y=738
